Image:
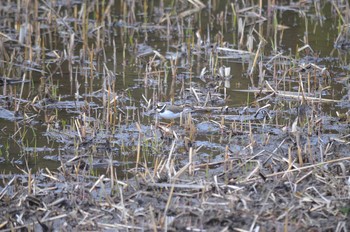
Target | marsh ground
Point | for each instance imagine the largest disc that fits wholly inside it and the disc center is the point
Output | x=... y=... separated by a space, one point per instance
x=264 y=148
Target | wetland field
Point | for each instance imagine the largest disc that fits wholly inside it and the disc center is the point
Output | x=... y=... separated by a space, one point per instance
x=261 y=141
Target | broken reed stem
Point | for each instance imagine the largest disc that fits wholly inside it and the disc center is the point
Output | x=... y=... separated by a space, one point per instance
x=96 y=183
x=190 y=167
x=78 y=126
x=167 y=165
x=255 y=59
x=21 y=93
x=4 y=190
x=113 y=174
x=29 y=182
x=114 y=57
x=154 y=225
x=168 y=203
x=290 y=161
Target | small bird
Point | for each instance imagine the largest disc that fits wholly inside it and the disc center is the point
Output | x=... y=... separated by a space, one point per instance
x=170 y=111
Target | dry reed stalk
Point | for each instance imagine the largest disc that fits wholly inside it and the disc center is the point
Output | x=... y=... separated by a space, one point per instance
x=162 y=220
x=182 y=171
x=154 y=225
x=168 y=163
x=78 y=127
x=113 y=173
x=190 y=162
x=138 y=154
x=255 y=170
x=118 y=226
x=288 y=94
x=290 y=161
x=96 y=183
x=30 y=187
x=255 y=59
x=297 y=169
x=4 y=190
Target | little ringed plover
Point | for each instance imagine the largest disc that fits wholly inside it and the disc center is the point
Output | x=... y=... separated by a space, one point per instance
x=170 y=111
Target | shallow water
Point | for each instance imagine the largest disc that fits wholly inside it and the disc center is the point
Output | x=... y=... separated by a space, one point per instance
x=26 y=140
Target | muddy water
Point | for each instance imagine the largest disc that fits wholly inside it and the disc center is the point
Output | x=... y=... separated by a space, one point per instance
x=28 y=145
